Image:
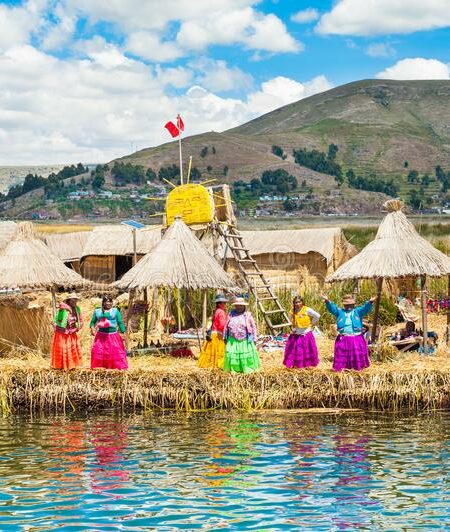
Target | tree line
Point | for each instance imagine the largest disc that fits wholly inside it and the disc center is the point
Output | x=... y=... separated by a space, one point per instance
x=51 y=183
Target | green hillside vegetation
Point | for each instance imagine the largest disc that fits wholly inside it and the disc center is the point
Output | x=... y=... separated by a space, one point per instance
x=346 y=150
x=380 y=131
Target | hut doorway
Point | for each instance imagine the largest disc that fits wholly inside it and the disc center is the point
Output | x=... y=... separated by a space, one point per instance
x=123 y=264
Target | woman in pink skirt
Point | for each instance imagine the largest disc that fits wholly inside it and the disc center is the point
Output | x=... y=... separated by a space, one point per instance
x=108 y=349
x=350 y=347
x=301 y=349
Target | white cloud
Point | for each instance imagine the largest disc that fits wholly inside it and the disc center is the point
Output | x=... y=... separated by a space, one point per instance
x=246 y=27
x=54 y=36
x=149 y=46
x=91 y=109
x=17 y=23
x=416 y=68
x=149 y=26
x=216 y=76
x=375 y=17
x=305 y=16
x=281 y=91
x=177 y=77
x=153 y=14
x=380 y=49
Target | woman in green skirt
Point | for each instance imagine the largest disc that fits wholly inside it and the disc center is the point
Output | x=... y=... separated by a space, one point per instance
x=240 y=334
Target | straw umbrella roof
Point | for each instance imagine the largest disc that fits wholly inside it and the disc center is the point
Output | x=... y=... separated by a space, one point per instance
x=397 y=251
x=179 y=260
x=27 y=263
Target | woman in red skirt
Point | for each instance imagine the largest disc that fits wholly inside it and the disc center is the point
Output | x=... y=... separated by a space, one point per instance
x=66 y=350
x=108 y=349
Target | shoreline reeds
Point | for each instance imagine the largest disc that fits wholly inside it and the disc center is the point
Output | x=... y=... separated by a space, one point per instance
x=381 y=387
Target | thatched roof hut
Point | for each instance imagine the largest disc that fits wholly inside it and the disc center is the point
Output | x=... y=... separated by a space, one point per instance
x=397 y=251
x=179 y=260
x=109 y=249
x=27 y=263
x=283 y=255
x=7 y=231
x=69 y=247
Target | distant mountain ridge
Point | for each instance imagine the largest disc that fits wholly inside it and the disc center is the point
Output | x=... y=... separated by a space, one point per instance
x=381 y=127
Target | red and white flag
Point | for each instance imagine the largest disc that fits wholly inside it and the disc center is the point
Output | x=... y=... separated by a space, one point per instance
x=175 y=130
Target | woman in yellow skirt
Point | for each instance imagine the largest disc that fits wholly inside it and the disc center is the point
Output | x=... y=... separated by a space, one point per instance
x=213 y=349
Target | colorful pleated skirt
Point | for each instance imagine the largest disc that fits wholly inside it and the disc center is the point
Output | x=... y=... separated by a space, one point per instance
x=108 y=351
x=66 y=351
x=301 y=351
x=241 y=356
x=350 y=352
x=213 y=352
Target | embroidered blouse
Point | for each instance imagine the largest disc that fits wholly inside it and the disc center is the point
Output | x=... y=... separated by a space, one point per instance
x=240 y=326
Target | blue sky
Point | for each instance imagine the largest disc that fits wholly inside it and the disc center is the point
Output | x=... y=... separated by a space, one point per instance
x=90 y=80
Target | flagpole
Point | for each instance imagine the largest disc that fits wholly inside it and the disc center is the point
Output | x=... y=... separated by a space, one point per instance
x=181 y=159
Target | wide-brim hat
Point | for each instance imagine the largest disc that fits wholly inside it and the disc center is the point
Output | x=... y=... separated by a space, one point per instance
x=72 y=295
x=220 y=298
x=348 y=300
x=240 y=301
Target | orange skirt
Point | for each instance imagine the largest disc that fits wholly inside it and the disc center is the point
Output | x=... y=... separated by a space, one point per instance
x=66 y=351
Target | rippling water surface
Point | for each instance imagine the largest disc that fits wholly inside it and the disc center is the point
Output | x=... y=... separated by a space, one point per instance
x=264 y=471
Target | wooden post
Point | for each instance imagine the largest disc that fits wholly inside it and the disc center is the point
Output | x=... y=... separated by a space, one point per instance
x=204 y=312
x=154 y=311
x=127 y=318
x=423 y=289
x=134 y=248
x=179 y=308
x=145 y=318
x=448 y=314
x=53 y=301
x=379 y=282
x=355 y=288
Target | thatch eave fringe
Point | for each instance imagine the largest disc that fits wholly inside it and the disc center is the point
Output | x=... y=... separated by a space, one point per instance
x=398 y=251
x=179 y=260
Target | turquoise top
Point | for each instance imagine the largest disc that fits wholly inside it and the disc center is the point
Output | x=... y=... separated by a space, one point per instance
x=348 y=323
x=112 y=319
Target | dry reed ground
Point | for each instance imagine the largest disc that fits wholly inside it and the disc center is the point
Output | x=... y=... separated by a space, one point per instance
x=402 y=381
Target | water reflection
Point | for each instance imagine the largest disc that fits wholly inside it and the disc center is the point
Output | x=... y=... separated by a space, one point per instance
x=271 y=471
x=107 y=471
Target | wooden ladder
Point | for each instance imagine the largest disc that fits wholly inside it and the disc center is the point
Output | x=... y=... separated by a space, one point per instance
x=254 y=278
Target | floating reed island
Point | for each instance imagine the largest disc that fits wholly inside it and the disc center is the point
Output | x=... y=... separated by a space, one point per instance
x=407 y=381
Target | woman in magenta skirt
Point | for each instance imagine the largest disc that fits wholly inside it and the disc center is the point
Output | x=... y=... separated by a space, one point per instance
x=108 y=349
x=350 y=347
x=301 y=349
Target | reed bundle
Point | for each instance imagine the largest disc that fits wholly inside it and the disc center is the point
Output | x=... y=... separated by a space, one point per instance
x=407 y=382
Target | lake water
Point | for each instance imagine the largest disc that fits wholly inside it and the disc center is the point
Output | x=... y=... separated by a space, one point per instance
x=265 y=471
